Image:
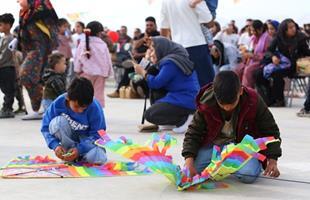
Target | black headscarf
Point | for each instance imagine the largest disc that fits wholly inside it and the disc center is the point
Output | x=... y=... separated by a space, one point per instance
x=220 y=61
x=168 y=50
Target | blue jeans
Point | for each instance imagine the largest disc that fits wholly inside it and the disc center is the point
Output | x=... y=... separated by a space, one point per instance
x=200 y=56
x=212 y=5
x=61 y=129
x=247 y=174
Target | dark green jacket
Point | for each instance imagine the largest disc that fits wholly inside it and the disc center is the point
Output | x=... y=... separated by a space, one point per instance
x=55 y=84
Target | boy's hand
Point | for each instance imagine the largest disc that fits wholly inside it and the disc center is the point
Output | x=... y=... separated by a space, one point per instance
x=71 y=155
x=272 y=169
x=189 y=163
x=59 y=151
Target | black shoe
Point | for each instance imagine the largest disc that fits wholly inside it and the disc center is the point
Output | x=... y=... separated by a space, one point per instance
x=6 y=114
x=21 y=111
x=278 y=104
x=303 y=113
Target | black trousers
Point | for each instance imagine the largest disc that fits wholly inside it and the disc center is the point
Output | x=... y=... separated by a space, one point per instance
x=307 y=103
x=7 y=86
x=263 y=86
x=125 y=79
x=167 y=114
x=19 y=94
x=271 y=90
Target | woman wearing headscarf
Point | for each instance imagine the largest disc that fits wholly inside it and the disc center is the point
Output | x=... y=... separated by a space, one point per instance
x=291 y=43
x=252 y=58
x=224 y=57
x=177 y=77
x=37 y=38
x=273 y=26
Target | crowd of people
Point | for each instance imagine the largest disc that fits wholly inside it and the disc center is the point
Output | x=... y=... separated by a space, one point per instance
x=262 y=54
x=200 y=77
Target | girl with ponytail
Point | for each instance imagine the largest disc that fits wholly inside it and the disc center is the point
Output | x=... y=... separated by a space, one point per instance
x=93 y=60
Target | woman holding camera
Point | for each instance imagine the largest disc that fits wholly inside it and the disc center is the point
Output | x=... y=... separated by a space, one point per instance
x=177 y=77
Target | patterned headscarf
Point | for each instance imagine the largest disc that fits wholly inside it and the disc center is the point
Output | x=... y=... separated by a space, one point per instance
x=38 y=10
x=42 y=14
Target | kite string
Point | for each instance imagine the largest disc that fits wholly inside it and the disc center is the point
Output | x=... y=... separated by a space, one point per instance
x=275 y=179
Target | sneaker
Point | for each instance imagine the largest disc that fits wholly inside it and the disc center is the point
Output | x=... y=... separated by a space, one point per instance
x=207 y=34
x=115 y=94
x=143 y=128
x=278 y=104
x=303 y=113
x=6 y=114
x=182 y=129
x=32 y=116
x=166 y=128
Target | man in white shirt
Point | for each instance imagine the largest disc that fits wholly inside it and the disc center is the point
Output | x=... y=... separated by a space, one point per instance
x=183 y=23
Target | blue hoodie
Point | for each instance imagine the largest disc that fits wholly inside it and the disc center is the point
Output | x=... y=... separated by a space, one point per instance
x=85 y=124
x=182 y=89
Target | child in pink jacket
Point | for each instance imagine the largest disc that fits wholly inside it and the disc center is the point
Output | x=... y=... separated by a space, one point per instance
x=93 y=60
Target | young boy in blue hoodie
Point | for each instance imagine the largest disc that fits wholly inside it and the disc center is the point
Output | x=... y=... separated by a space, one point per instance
x=70 y=125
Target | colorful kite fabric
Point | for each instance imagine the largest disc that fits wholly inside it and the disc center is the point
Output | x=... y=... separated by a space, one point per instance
x=225 y=161
x=45 y=167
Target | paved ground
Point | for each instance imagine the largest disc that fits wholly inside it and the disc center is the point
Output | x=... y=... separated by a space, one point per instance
x=24 y=138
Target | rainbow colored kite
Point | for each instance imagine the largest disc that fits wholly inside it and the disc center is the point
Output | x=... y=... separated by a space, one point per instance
x=224 y=161
x=45 y=167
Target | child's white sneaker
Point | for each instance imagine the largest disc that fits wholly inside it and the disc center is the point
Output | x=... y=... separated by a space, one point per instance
x=33 y=116
x=182 y=129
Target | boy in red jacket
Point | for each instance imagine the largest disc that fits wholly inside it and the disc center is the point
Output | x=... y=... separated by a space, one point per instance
x=226 y=112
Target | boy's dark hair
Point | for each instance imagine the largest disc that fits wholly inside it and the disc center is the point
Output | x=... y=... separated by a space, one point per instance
x=150 y=19
x=62 y=21
x=7 y=18
x=82 y=91
x=54 y=59
x=226 y=87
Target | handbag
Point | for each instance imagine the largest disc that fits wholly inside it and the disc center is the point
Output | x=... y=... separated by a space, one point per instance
x=303 y=65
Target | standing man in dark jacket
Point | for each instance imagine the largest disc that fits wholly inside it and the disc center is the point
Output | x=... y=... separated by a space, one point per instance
x=226 y=113
x=139 y=45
